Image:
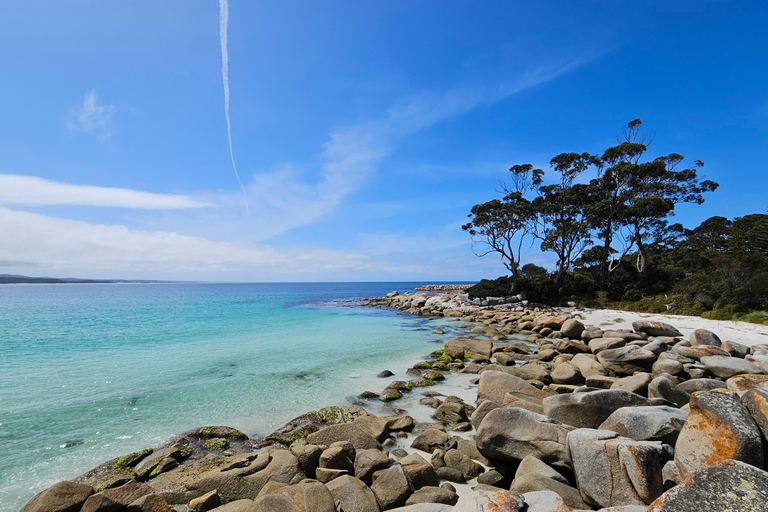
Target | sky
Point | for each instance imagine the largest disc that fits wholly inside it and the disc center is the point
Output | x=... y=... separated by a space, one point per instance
x=362 y=132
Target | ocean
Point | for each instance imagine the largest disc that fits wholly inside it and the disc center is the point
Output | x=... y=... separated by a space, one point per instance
x=93 y=371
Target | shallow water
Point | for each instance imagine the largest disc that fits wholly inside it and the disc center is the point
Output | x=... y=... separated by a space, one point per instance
x=90 y=372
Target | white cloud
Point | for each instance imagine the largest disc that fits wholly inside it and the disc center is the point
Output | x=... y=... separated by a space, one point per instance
x=91 y=117
x=32 y=240
x=34 y=191
x=283 y=198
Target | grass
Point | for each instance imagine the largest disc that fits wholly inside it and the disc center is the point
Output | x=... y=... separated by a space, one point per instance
x=131 y=459
x=727 y=313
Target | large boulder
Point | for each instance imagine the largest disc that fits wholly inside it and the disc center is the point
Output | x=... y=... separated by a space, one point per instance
x=637 y=383
x=367 y=462
x=740 y=384
x=718 y=428
x=534 y=476
x=350 y=432
x=432 y=494
x=653 y=423
x=652 y=328
x=457 y=347
x=590 y=409
x=433 y=439
x=245 y=476
x=494 y=385
x=60 y=497
x=704 y=337
x=566 y=346
x=627 y=360
x=392 y=488
x=756 y=402
x=699 y=351
x=572 y=328
x=730 y=486
x=588 y=365
x=352 y=494
x=490 y=501
x=510 y=434
x=727 y=366
x=310 y=496
x=664 y=387
x=457 y=460
x=613 y=471
x=117 y=499
x=597 y=345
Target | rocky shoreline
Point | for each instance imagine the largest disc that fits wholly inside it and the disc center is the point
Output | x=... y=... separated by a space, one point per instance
x=556 y=416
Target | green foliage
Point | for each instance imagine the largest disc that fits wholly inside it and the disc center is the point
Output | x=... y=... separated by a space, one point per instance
x=131 y=459
x=217 y=445
x=485 y=288
x=281 y=440
x=185 y=452
x=206 y=433
x=422 y=366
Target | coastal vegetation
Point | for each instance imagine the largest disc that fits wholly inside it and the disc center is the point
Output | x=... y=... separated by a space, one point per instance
x=612 y=235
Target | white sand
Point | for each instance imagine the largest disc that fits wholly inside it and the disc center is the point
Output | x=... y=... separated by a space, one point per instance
x=740 y=332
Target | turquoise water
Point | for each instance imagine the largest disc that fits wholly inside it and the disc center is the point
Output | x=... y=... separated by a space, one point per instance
x=90 y=372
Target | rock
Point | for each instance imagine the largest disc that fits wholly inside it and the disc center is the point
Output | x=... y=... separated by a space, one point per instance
x=655 y=328
x=432 y=439
x=457 y=347
x=482 y=410
x=756 y=402
x=662 y=387
x=421 y=475
x=532 y=482
x=567 y=374
x=704 y=337
x=532 y=371
x=469 y=448
x=494 y=385
x=491 y=477
x=205 y=502
x=310 y=496
x=368 y=462
x=637 y=383
x=590 y=409
x=547 y=354
x=510 y=434
x=246 y=475
x=308 y=456
x=451 y=412
x=336 y=457
x=571 y=347
x=400 y=423
x=360 y=439
x=727 y=366
x=505 y=359
x=736 y=349
x=669 y=366
x=424 y=507
x=491 y=501
x=516 y=399
x=457 y=460
x=545 y=501
x=599 y=382
x=60 y=497
x=385 y=374
x=612 y=471
x=116 y=499
x=693 y=385
x=275 y=503
x=572 y=328
x=627 y=360
x=731 y=486
x=151 y=503
x=740 y=384
x=392 y=488
x=450 y=474
x=552 y=322
x=432 y=495
x=326 y=475
x=597 y=345
x=699 y=351
x=718 y=428
x=588 y=366
x=660 y=423
x=353 y=495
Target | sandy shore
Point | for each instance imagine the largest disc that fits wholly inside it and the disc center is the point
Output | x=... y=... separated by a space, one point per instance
x=741 y=332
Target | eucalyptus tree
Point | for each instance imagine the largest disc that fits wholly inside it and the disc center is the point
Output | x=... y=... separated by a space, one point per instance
x=502 y=225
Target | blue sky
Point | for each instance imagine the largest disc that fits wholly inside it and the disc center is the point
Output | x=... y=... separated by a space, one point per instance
x=363 y=132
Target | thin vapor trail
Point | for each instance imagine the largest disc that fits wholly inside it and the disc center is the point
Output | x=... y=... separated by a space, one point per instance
x=223 y=22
